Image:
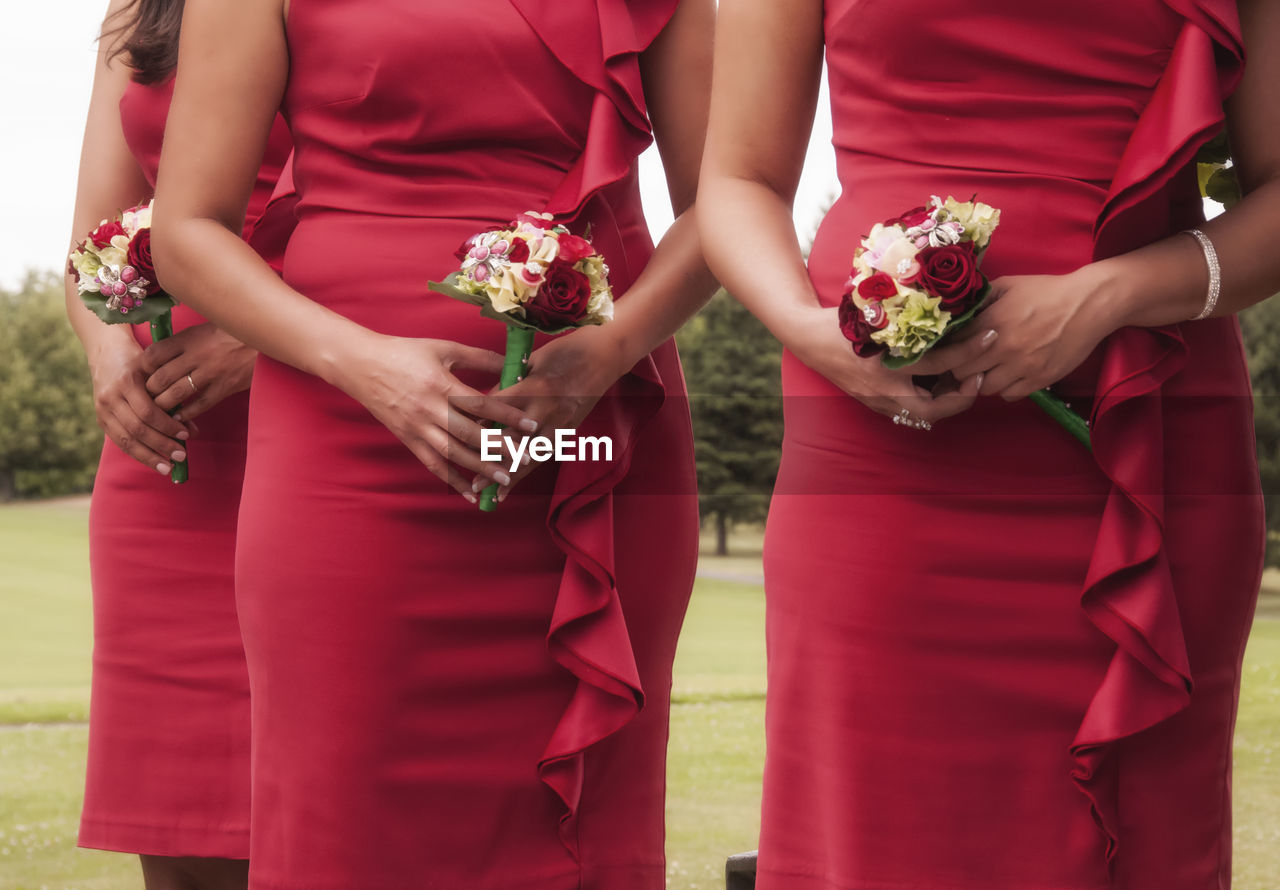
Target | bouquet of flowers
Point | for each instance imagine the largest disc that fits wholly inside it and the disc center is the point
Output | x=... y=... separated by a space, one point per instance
x=916 y=280
x=533 y=276
x=117 y=281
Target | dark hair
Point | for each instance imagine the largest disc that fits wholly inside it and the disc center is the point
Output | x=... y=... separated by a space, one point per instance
x=146 y=33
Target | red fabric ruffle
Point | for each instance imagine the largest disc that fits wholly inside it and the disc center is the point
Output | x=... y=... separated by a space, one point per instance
x=600 y=42
x=1129 y=592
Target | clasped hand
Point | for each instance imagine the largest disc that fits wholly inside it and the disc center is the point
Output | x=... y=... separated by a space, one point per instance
x=1034 y=330
x=567 y=378
x=412 y=387
x=135 y=389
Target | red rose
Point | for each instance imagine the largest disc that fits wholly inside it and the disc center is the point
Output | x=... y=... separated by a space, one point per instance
x=574 y=249
x=519 y=250
x=878 y=287
x=914 y=217
x=562 y=300
x=102 y=235
x=951 y=273
x=857 y=330
x=139 y=256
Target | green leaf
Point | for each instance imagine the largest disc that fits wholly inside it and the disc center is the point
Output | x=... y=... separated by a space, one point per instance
x=152 y=308
x=1224 y=187
x=449 y=288
x=1216 y=151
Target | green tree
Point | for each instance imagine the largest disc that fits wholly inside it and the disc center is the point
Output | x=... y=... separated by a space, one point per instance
x=732 y=364
x=49 y=439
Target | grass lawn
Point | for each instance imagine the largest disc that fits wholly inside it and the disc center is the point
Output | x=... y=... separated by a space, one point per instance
x=717 y=725
x=45 y=621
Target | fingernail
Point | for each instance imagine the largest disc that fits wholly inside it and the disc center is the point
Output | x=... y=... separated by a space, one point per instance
x=471 y=498
x=981 y=377
x=179 y=456
x=184 y=435
x=501 y=478
x=162 y=468
x=477 y=484
x=178 y=416
x=529 y=425
x=502 y=494
x=525 y=460
x=989 y=337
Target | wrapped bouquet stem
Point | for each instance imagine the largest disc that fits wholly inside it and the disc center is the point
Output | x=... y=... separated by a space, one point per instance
x=533 y=276
x=916 y=281
x=117 y=281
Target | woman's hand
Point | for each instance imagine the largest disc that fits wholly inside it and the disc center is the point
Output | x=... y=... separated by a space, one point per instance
x=197 y=368
x=567 y=378
x=409 y=385
x=127 y=413
x=818 y=343
x=1047 y=325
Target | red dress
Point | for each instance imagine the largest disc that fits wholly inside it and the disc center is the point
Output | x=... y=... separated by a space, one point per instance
x=442 y=697
x=997 y=662
x=168 y=770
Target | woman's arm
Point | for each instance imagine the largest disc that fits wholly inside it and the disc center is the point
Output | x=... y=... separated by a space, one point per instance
x=676 y=283
x=568 y=376
x=1167 y=282
x=109 y=181
x=1049 y=324
x=233 y=66
x=767 y=70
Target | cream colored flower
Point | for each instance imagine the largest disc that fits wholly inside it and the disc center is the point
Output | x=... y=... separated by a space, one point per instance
x=889 y=250
x=506 y=290
x=545 y=251
x=979 y=220
x=137 y=218
x=86 y=264
x=115 y=255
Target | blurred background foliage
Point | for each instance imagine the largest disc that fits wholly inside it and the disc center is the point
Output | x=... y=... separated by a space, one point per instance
x=49 y=439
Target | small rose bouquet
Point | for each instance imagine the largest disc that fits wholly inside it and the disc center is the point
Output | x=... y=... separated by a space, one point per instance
x=532 y=275
x=117 y=281
x=916 y=280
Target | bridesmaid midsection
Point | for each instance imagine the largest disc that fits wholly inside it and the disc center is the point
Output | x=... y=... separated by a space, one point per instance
x=375 y=271
x=1060 y=211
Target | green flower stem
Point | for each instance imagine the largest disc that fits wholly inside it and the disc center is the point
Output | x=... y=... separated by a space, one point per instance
x=162 y=329
x=515 y=364
x=1059 y=411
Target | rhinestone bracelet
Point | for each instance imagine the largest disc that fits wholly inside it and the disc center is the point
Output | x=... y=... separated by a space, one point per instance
x=1215 y=273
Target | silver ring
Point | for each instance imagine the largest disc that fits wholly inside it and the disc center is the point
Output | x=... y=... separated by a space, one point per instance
x=192 y=384
x=907 y=419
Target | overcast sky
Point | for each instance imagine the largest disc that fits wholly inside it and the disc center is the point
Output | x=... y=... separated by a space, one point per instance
x=45 y=75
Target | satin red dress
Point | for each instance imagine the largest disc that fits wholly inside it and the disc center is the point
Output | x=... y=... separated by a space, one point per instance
x=997 y=661
x=444 y=698
x=168 y=766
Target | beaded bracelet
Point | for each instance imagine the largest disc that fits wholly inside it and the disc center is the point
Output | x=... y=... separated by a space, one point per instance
x=1215 y=273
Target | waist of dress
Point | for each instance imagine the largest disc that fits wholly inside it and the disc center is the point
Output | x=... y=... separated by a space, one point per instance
x=1046 y=222
x=434 y=183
